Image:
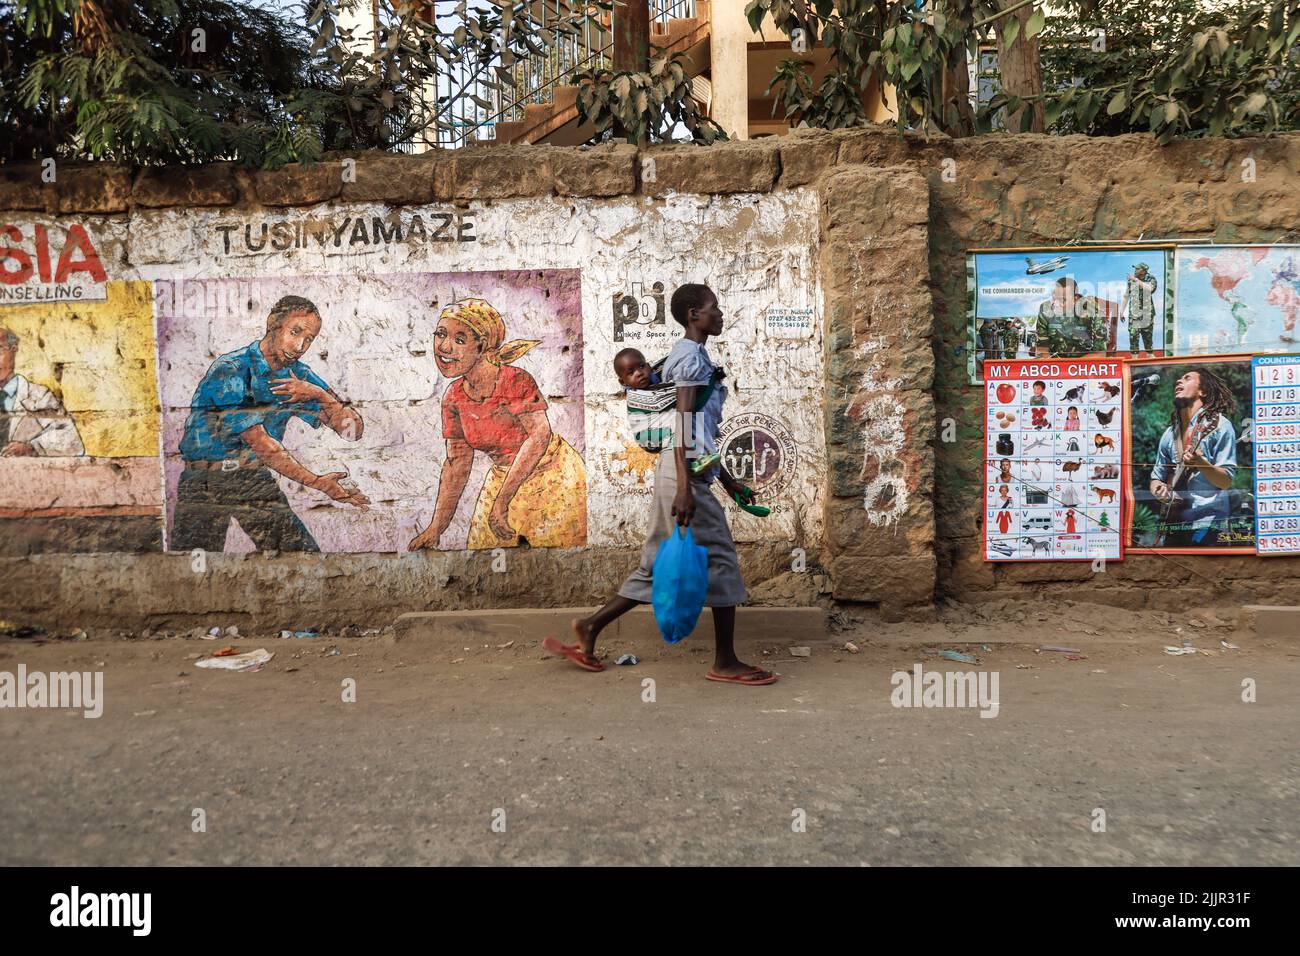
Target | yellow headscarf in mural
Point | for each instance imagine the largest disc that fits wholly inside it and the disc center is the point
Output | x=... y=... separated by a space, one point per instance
x=486 y=322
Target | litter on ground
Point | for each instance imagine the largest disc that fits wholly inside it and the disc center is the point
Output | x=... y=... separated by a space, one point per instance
x=250 y=661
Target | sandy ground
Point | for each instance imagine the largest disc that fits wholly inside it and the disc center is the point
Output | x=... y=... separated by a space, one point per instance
x=441 y=741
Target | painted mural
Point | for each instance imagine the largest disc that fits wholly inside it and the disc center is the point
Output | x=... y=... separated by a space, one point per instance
x=373 y=413
x=536 y=488
x=78 y=397
x=357 y=378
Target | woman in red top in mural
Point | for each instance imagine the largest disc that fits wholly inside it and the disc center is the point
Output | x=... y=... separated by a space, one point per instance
x=536 y=489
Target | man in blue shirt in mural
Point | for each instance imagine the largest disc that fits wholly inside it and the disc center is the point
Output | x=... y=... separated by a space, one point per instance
x=1198 y=507
x=232 y=442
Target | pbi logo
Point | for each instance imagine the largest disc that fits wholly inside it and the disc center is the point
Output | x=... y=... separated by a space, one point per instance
x=639 y=312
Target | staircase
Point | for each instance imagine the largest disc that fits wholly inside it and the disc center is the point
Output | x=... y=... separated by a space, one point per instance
x=547 y=112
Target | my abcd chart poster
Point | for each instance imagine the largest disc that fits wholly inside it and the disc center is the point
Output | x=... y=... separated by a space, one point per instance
x=1053 y=456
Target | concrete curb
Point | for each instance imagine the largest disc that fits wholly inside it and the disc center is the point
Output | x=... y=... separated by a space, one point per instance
x=798 y=625
x=1271 y=620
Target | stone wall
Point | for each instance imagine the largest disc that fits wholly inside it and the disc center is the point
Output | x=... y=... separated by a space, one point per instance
x=1037 y=190
x=894 y=509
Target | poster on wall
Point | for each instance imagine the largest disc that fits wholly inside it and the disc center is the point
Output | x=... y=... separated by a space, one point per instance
x=78 y=395
x=1191 y=481
x=1237 y=299
x=1276 y=418
x=1066 y=302
x=438 y=411
x=1053 y=453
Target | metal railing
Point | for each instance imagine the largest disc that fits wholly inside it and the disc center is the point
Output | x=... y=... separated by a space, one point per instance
x=471 y=108
x=661 y=11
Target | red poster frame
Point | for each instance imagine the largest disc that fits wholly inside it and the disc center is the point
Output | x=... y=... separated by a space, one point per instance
x=984 y=460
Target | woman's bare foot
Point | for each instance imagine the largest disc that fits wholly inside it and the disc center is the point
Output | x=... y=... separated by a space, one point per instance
x=582 y=631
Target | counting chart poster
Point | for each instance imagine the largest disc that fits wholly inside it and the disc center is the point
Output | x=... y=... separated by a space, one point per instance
x=1053 y=460
x=1208 y=508
x=1276 y=419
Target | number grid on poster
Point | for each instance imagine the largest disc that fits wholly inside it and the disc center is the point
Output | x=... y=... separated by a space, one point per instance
x=1276 y=415
x=1053 y=460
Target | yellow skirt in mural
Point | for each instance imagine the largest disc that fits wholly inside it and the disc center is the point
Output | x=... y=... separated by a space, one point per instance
x=550 y=508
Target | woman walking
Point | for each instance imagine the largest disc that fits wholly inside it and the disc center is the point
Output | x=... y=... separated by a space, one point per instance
x=681 y=498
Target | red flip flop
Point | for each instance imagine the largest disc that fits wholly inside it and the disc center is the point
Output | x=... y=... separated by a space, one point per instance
x=755 y=677
x=574 y=653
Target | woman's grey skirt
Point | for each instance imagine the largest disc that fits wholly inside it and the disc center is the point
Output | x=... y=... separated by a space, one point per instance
x=709 y=526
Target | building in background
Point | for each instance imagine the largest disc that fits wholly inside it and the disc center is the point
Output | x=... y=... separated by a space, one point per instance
x=730 y=68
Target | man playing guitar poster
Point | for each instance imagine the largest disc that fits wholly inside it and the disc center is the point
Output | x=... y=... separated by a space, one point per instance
x=1196 y=462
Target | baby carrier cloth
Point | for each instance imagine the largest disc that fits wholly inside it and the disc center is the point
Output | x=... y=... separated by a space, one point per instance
x=652 y=412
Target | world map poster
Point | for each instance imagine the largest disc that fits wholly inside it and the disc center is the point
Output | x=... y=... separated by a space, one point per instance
x=1236 y=299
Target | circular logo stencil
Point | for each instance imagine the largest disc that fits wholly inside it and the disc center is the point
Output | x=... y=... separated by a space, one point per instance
x=760 y=451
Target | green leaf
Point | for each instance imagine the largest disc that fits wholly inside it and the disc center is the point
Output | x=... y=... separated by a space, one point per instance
x=1010 y=33
x=1117 y=103
x=1037 y=20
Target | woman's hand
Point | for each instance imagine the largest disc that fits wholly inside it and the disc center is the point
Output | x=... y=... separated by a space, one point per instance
x=737 y=488
x=424 y=541
x=684 y=503
x=499 y=522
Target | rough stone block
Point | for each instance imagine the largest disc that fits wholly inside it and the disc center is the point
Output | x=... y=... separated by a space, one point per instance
x=733 y=167
x=211 y=185
x=502 y=172
x=298 y=185
x=21 y=187
x=900 y=581
x=94 y=189
x=805 y=155
x=607 y=170
x=401 y=180
x=1271 y=621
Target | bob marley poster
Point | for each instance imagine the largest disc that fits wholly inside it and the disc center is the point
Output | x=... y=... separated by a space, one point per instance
x=1192 y=475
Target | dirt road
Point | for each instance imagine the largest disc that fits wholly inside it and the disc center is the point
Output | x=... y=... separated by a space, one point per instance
x=441 y=743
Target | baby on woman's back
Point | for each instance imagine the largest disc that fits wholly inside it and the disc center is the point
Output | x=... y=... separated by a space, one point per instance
x=633 y=370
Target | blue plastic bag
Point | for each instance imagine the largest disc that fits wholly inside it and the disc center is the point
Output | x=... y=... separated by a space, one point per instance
x=681 y=582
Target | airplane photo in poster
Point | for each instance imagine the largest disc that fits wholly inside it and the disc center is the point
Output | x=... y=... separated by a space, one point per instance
x=1065 y=303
